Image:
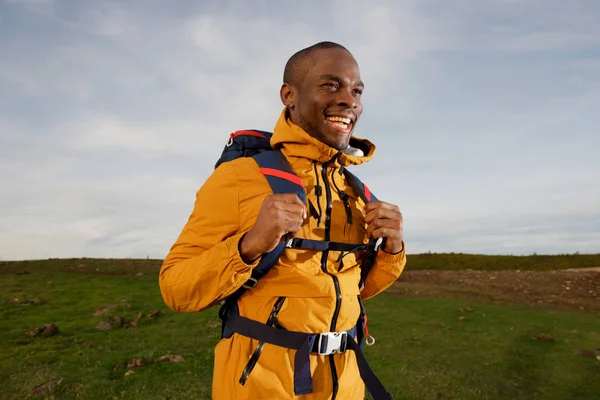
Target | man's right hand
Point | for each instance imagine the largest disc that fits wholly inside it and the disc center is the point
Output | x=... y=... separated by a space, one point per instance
x=279 y=215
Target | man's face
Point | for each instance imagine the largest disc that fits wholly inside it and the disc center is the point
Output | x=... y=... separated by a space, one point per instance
x=327 y=104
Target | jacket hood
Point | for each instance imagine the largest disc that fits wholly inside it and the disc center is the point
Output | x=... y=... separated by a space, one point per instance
x=295 y=142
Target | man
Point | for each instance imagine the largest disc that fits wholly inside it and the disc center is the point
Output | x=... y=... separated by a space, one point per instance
x=237 y=219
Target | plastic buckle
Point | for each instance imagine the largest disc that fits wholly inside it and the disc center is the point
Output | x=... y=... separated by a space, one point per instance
x=250 y=283
x=378 y=243
x=332 y=342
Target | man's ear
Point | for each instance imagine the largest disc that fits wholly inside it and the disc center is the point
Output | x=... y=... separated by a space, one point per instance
x=288 y=95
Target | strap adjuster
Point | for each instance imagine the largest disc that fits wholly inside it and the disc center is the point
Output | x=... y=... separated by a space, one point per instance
x=332 y=342
x=250 y=283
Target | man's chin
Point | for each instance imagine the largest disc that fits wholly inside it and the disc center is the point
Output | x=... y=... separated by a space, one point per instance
x=329 y=139
x=336 y=145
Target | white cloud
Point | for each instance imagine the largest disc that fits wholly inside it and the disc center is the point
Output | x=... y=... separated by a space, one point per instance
x=484 y=114
x=142 y=138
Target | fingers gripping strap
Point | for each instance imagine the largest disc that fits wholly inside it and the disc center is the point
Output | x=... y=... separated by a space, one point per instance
x=365 y=194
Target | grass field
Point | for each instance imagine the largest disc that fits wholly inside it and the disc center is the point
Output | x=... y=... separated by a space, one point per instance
x=427 y=347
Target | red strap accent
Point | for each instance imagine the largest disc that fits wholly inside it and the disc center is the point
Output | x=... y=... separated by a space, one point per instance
x=367 y=193
x=247 y=133
x=283 y=175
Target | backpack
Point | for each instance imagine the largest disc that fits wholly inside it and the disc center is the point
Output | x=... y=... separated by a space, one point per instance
x=282 y=179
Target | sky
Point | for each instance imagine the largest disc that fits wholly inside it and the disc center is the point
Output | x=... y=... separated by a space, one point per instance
x=484 y=114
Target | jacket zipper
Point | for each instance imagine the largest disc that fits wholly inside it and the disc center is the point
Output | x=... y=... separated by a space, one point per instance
x=324 y=258
x=319 y=193
x=344 y=197
x=271 y=321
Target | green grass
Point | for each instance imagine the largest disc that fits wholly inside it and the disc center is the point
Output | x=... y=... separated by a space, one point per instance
x=423 y=349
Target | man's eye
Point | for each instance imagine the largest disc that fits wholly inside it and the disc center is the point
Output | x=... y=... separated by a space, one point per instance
x=331 y=85
x=358 y=91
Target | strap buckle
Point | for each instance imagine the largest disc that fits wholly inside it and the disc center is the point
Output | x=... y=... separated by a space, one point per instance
x=332 y=342
x=250 y=283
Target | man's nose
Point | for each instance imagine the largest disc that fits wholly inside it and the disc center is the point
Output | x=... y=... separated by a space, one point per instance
x=347 y=99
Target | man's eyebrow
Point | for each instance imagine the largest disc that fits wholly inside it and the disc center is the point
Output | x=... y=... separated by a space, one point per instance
x=330 y=77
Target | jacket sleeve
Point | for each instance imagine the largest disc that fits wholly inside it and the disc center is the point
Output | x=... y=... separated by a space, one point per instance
x=204 y=265
x=384 y=272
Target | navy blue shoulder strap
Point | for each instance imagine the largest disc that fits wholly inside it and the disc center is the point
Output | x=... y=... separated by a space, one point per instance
x=282 y=179
x=365 y=194
x=279 y=173
x=359 y=188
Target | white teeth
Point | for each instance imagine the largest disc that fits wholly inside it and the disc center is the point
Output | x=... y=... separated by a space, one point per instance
x=340 y=119
x=341 y=125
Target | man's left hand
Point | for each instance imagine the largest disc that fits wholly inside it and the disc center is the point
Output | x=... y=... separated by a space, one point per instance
x=385 y=220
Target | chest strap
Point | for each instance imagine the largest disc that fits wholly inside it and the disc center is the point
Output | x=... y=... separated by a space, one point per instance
x=323 y=245
x=307 y=244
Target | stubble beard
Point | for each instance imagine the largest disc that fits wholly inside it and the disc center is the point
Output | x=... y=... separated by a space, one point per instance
x=316 y=133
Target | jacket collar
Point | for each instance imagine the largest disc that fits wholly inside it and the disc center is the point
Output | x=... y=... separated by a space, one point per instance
x=295 y=142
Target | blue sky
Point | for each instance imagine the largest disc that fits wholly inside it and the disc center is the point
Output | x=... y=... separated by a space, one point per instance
x=485 y=114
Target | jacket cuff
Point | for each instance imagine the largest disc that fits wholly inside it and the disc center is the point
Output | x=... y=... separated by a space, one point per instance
x=238 y=240
x=391 y=258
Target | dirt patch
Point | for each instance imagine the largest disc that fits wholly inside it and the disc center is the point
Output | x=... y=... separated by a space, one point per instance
x=592 y=269
x=44 y=389
x=564 y=290
x=46 y=330
x=36 y=301
x=142 y=362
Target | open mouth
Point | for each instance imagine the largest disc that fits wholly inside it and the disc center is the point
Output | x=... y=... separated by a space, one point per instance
x=342 y=124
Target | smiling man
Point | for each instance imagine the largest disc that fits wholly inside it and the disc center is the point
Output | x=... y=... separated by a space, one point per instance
x=296 y=332
x=322 y=90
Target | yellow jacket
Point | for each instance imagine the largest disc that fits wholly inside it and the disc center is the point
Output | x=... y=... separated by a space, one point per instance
x=204 y=267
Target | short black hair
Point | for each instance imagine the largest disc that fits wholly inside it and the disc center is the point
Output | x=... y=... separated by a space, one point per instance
x=299 y=64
